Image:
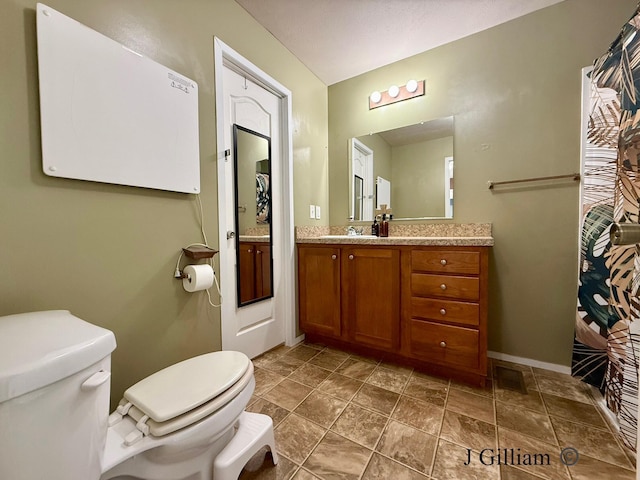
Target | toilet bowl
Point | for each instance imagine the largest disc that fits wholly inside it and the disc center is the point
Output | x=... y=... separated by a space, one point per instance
x=186 y=421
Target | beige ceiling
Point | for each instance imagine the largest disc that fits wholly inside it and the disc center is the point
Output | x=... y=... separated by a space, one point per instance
x=339 y=39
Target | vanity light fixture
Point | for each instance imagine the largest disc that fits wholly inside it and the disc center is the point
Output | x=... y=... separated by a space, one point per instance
x=412 y=89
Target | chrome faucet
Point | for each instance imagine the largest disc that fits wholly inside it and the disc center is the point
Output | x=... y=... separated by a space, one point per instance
x=354 y=231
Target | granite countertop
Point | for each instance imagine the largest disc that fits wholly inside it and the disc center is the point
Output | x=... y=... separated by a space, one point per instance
x=444 y=234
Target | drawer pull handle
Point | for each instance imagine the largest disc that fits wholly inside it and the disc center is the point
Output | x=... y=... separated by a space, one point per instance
x=443 y=311
x=350 y=257
x=443 y=262
x=443 y=286
x=443 y=344
x=334 y=256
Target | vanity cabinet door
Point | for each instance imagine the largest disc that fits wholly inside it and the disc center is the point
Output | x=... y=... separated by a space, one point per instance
x=319 y=290
x=371 y=296
x=247 y=272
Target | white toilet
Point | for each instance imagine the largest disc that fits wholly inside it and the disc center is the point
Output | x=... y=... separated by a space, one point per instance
x=184 y=422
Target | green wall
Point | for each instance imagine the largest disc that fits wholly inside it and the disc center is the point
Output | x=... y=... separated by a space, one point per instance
x=417 y=178
x=515 y=92
x=105 y=252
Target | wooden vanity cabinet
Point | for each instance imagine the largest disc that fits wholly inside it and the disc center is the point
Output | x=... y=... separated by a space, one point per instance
x=319 y=290
x=371 y=296
x=445 y=295
x=426 y=305
x=350 y=294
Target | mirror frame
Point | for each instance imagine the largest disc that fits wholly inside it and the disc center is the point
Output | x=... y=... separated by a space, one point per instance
x=236 y=162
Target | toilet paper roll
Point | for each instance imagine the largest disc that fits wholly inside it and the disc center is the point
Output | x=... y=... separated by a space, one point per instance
x=198 y=277
x=624 y=233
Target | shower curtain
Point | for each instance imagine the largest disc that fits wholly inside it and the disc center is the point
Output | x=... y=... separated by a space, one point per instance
x=607 y=333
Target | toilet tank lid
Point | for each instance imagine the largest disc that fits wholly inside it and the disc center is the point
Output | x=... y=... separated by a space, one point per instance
x=40 y=348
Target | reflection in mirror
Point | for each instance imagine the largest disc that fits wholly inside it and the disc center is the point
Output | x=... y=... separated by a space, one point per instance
x=252 y=169
x=410 y=169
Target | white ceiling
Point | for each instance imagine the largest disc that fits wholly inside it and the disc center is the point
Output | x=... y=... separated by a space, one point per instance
x=339 y=39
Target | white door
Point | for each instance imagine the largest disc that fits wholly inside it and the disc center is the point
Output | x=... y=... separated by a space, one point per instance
x=256 y=327
x=361 y=181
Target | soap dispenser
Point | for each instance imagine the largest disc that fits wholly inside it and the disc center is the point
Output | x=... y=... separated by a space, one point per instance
x=384 y=226
x=375 y=228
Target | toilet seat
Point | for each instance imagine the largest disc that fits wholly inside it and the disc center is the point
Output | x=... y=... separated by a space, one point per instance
x=184 y=393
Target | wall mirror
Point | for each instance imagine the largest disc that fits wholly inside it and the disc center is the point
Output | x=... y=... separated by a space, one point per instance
x=409 y=169
x=252 y=170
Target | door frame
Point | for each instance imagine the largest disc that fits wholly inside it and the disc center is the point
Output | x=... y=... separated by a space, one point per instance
x=225 y=56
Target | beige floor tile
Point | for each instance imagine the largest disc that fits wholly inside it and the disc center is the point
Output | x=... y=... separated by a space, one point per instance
x=321 y=409
x=388 y=379
x=527 y=422
x=310 y=375
x=302 y=352
x=408 y=445
x=531 y=400
x=383 y=468
x=340 y=386
x=376 y=398
x=288 y=394
x=468 y=432
x=265 y=380
x=364 y=358
x=265 y=407
x=426 y=390
x=422 y=415
x=328 y=360
x=303 y=474
x=356 y=369
x=508 y=472
x=396 y=368
x=523 y=444
x=589 y=468
x=573 y=410
x=567 y=387
x=476 y=406
x=338 y=458
x=454 y=462
x=594 y=442
x=284 y=365
x=360 y=425
x=486 y=391
x=296 y=437
x=429 y=378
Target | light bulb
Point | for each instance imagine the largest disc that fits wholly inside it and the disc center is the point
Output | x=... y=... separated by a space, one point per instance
x=394 y=91
x=376 y=97
x=412 y=86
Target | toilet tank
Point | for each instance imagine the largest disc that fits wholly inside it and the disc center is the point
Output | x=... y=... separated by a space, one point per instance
x=54 y=396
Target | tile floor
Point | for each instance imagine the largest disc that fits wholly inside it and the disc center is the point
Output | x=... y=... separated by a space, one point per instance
x=342 y=416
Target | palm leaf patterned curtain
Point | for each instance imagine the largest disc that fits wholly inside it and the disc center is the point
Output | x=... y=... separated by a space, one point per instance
x=607 y=340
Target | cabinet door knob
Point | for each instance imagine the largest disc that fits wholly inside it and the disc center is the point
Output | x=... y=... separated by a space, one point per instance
x=249 y=251
x=443 y=286
x=443 y=344
x=334 y=256
x=443 y=311
x=443 y=262
x=258 y=252
x=350 y=257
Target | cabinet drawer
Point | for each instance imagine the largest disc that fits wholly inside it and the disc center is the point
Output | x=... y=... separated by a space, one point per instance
x=445 y=310
x=441 y=261
x=448 y=286
x=444 y=344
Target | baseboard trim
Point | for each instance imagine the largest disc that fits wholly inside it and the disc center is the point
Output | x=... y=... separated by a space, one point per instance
x=530 y=362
